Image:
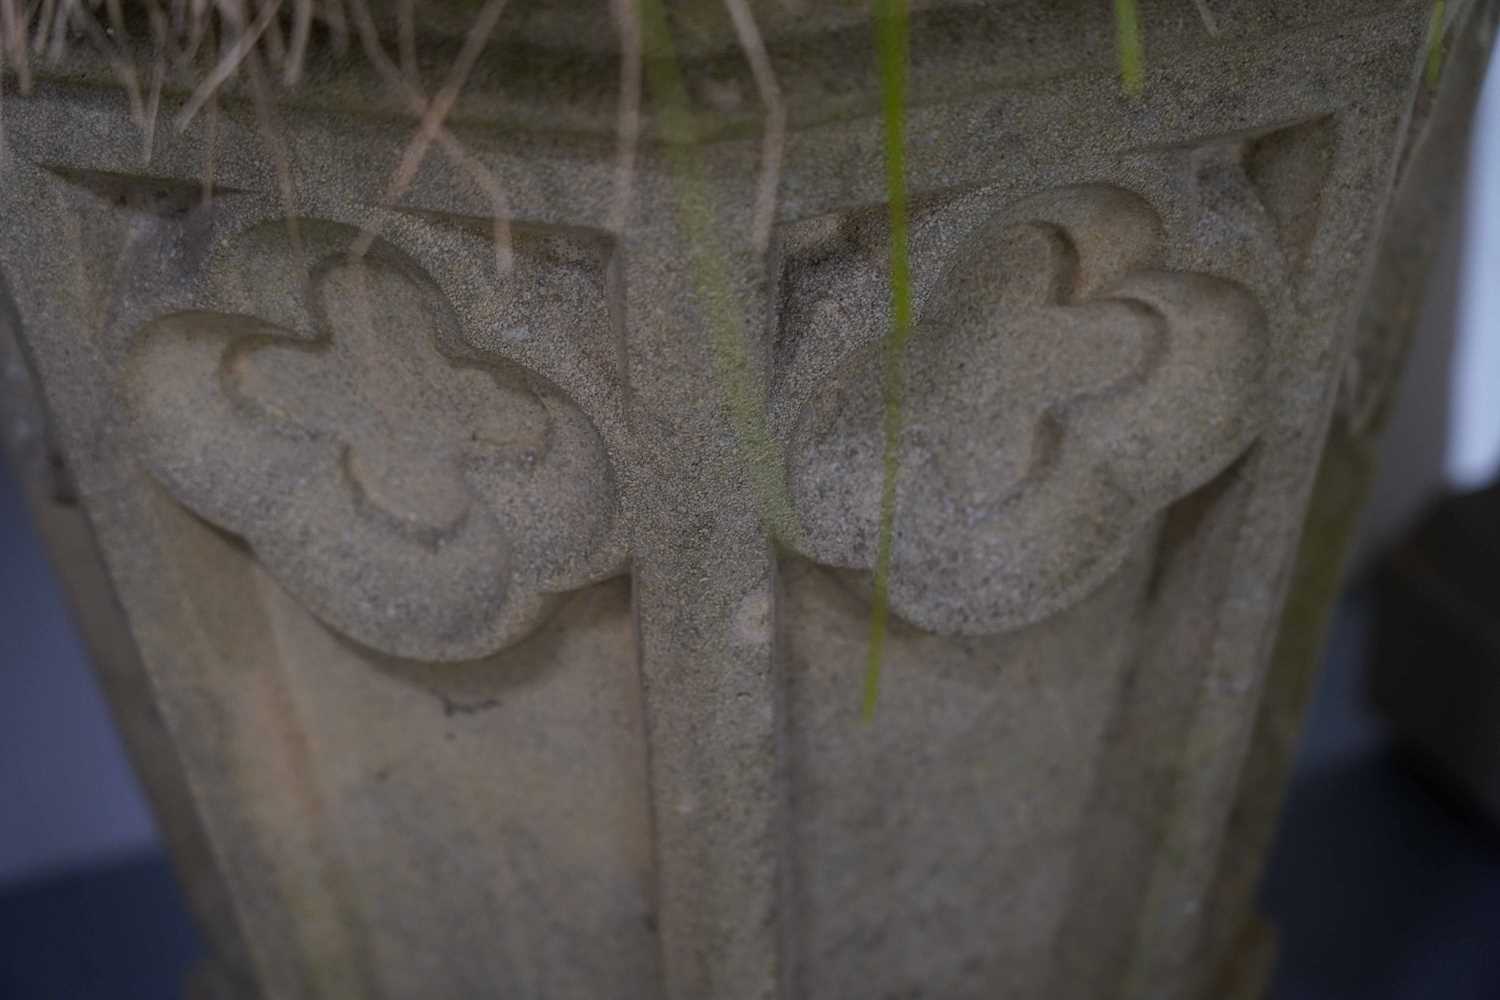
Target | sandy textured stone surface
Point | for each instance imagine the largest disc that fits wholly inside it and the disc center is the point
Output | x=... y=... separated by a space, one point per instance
x=475 y=668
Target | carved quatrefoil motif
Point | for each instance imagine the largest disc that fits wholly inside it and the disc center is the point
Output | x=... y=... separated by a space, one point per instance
x=425 y=500
x=1062 y=390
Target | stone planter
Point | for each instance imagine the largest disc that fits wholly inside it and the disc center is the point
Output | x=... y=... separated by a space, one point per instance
x=442 y=593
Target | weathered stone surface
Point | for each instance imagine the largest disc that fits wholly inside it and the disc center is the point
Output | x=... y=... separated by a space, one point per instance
x=450 y=567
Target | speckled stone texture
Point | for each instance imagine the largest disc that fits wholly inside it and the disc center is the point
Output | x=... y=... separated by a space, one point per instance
x=462 y=658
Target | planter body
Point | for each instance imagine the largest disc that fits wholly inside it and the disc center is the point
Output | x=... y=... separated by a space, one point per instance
x=439 y=594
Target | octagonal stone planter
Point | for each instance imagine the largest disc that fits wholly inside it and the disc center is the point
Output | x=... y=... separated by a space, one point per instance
x=481 y=563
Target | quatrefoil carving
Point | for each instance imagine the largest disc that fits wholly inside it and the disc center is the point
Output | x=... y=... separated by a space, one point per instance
x=434 y=500
x=1063 y=388
x=419 y=496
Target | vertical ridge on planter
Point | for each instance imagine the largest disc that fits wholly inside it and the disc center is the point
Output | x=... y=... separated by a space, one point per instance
x=704 y=569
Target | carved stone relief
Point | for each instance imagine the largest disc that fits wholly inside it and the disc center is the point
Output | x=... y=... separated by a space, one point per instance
x=446 y=570
x=1063 y=390
x=406 y=486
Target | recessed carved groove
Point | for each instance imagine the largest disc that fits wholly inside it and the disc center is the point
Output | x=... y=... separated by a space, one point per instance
x=1247 y=136
x=1289 y=170
x=166 y=197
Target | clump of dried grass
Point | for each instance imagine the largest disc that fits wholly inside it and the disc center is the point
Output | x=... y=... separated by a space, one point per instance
x=206 y=42
x=204 y=46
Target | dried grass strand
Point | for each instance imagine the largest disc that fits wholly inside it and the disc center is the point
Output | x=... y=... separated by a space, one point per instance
x=4 y=151
x=628 y=128
x=774 y=144
x=417 y=104
x=268 y=124
x=274 y=40
x=114 y=56
x=302 y=18
x=331 y=13
x=438 y=109
x=242 y=47
x=58 y=32
x=250 y=35
x=406 y=40
x=210 y=148
x=1210 y=22
x=13 y=31
x=45 y=15
x=153 y=107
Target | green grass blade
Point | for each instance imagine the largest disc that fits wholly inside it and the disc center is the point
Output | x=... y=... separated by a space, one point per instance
x=1435 y=44
x=892 y=27
x=1131 y=50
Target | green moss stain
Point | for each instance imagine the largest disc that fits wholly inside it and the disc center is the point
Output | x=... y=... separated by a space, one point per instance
x=892 y=27
x=1435 y=48
x=1131 y=50
x=740 y=381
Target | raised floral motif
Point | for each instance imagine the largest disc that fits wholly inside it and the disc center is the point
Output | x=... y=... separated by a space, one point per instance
x=1062 y=389
x=422 y=499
